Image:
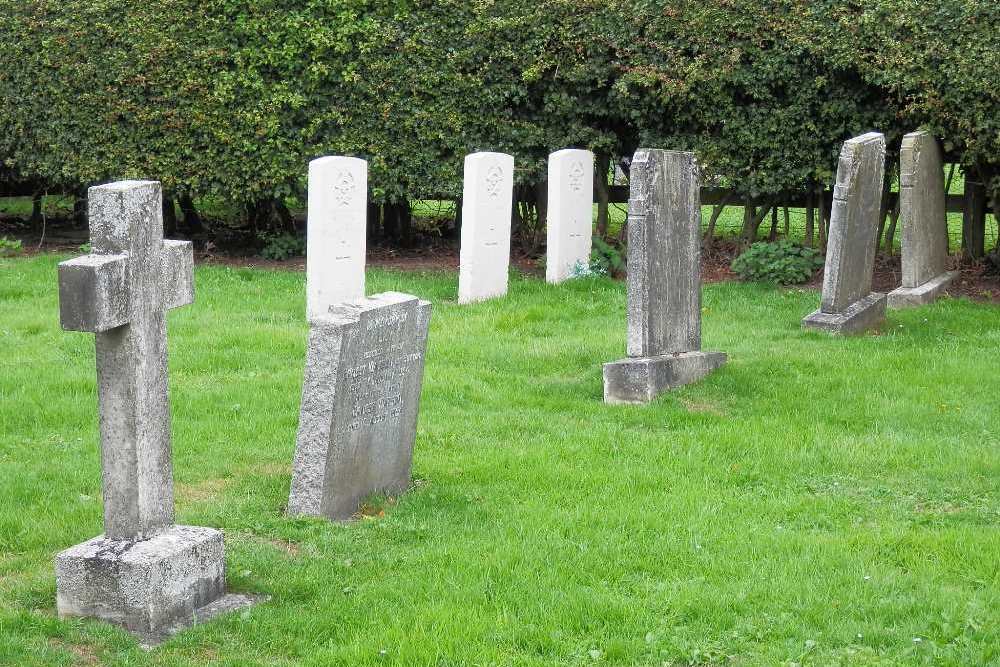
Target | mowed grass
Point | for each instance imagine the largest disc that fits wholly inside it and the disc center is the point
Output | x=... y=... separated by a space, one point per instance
x=817 y=501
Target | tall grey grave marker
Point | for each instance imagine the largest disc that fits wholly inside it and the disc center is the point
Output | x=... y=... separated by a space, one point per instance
x=664 y=281
x=848 y=304
x=364 y=363
x=925 y=224
x=145 y=573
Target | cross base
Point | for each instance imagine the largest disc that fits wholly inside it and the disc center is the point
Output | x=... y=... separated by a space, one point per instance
x=641 y=379
x=904 y=297
x=152 y=588
x=865 y=313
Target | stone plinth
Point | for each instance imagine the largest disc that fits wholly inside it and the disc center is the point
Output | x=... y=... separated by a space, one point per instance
x=640 y=380
x=865 y=313
x=150 y=587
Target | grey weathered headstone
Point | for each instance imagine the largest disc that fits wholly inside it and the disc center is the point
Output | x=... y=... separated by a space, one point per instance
x=360 y=399
x=664 y=281
x=923 y=215
x=145 y=573
x=848 y=305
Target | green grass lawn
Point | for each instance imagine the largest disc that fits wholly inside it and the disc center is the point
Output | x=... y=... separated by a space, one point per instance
x=817 y=501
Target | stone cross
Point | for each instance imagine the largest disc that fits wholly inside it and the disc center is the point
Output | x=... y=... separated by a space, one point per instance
x=848 y=305
x=570 y=213
x=335 y=253
x=664 y=281
x=923 y=215
x=487 y=204
x=144 y=573
x=121 y=292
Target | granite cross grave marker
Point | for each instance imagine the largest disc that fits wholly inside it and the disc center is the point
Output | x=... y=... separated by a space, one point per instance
x=664 y=281
x=487 y=202
x=848 y=305
x=570 y=213
x=925 y=225
x=144 y=572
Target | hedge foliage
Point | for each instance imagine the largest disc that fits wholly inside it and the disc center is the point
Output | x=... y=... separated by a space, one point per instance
x=231 y=98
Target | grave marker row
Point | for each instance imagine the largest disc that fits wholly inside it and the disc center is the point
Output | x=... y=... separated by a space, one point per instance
x=365 y=355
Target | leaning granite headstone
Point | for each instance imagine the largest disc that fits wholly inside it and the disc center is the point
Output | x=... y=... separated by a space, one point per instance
x=360 y=400
x=923 y=215
x=848 y=305
x=364 y=362
x=144 y=573
x=335 y=234
x=570 y=214
x=487 y=203
x=664 y=281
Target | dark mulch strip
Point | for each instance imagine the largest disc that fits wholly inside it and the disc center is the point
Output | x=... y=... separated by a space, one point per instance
x=979 y=281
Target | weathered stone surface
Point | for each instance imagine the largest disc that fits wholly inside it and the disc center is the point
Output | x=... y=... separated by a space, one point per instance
x=570 y=213
x=360 y=398
x=643 y=379
x=664 y=281
x=336 y=229
x=927 y=292
x=857 y=196
x=923 y=216
x=664 y=254
x=94 y=293
x=148 y=586
x=150 y=276
x=865 y=313
x=487 y=202
x=847 y=281
x=144 y=573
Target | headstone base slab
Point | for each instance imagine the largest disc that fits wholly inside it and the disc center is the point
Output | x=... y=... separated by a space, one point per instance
x=906 y=297
x=860 y=316
x=152 y=588
x=641 y=379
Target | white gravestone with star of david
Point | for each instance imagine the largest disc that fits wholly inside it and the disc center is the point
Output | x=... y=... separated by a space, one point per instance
x=335 y=250
x=570 y=213
x=487 y=204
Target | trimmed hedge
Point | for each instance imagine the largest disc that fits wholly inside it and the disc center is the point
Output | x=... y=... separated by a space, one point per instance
x=231 y=98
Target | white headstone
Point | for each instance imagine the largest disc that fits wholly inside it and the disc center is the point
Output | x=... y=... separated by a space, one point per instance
x=571 y=213
x=487 y=200
x=335 y=253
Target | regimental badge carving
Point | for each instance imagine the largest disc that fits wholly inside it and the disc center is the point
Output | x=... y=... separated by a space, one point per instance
x=344 y=188
x=576 y=174
x=494 y=178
